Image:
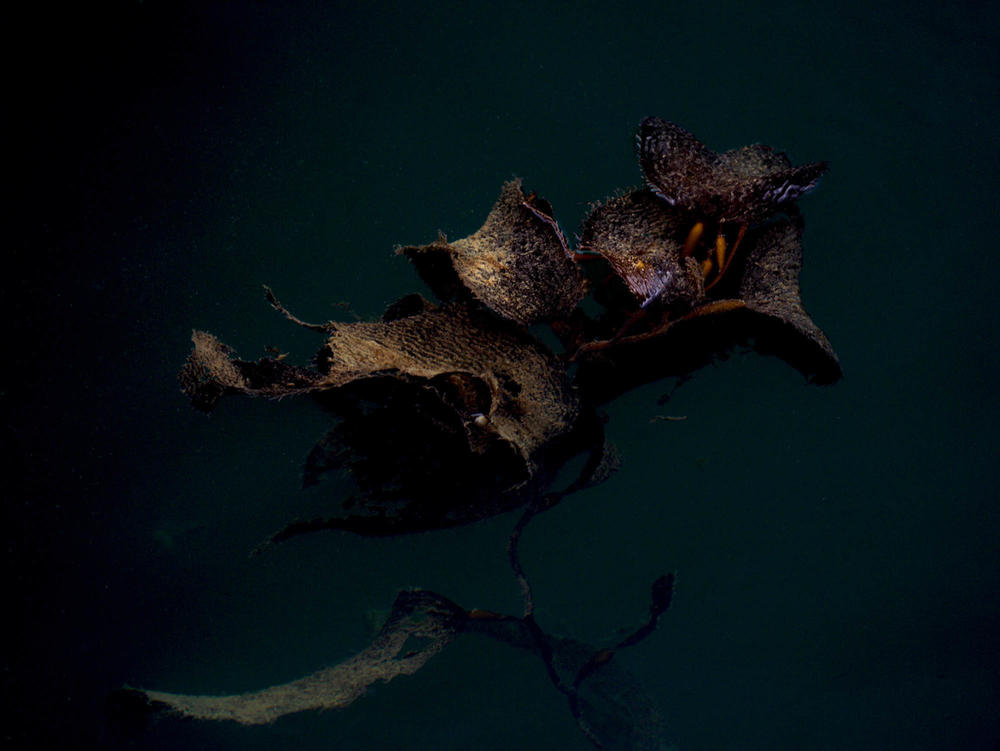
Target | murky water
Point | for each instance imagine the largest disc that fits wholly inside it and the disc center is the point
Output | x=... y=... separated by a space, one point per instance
x=834 y=546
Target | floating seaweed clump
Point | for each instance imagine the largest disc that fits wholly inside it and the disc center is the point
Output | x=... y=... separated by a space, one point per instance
x=449 y=413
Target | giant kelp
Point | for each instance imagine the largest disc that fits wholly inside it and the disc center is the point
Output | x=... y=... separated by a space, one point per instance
x=447 y=413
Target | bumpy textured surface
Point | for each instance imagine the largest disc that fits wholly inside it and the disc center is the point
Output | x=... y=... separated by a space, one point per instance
x=604 y=699
x=212 y=371
x=518 y=263
x=744 y=185
x=447 y=415
x=495 y=370
x=757 y=303
x=770 y=287
x=642 y=240
x=420 y=625
x=510 y=379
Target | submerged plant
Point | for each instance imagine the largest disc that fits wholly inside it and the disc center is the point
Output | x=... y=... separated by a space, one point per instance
x=452 y=412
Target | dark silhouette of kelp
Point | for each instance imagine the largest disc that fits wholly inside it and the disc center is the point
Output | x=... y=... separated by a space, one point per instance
x=606 y=702
x=453 y=412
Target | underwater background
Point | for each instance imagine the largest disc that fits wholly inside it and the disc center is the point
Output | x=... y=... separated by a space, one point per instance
x=838 y=570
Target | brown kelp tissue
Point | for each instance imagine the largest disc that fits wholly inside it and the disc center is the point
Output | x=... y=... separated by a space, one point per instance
x=450 y=412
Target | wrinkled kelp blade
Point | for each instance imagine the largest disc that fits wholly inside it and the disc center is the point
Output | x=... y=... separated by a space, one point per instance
x=518 y=263
x=677 y=166
x=604 y=699
x=759 y=305
x=420 y=625
x=510 y=379
x=642 y=239
x=746 y=185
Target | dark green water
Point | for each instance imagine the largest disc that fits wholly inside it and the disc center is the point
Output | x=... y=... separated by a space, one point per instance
x=836 y=548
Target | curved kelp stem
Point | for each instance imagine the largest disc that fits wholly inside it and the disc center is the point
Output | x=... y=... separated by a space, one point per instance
x=661 y=595
x=421 y=624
